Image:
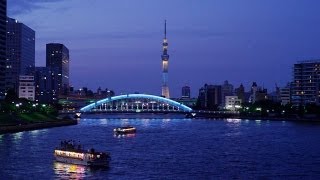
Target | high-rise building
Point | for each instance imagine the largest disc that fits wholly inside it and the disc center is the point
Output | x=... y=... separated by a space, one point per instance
x=210 y=97
x=46 y=80
x=240 y=92
x=3 y=32
x=20 y=52
x=285 y=95
x=226 y=90
x=254 y=89
x=306 y=83
x=165 y=61
x=185 y=92
x=26 y=87
x=57 y=56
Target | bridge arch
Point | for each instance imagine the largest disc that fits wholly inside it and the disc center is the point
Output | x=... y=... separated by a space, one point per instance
x=178 y=105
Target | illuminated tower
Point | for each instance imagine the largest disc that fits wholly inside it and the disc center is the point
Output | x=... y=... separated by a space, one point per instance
x=165 y=61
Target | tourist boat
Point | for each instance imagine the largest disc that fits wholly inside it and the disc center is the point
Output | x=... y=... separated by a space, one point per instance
x=125 y=130
x=72 y=153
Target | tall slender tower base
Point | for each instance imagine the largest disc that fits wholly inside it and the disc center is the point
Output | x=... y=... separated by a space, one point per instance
x=165 y=92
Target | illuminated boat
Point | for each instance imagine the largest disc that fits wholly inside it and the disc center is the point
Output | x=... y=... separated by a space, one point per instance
x=125 y=130
x=72 y=153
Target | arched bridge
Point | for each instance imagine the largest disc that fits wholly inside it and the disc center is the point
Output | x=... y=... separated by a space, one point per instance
x=136 y=103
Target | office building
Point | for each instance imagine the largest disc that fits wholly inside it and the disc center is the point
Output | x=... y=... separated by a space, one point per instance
x=306 y=83
x=185 y=92
x=226 y=90
x=254 y=89
x=210 y=97
x=27 y=87
x=232 y=103
x=46 y=80
x=285 y=95
x=240 y=92
x=3 y=32
x=20 y=52
x=57 y=57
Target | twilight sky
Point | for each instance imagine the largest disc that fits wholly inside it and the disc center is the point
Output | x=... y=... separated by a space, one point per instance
x=116 y=44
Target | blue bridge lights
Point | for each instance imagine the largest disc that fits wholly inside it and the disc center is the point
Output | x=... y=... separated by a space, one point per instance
x=137 y=102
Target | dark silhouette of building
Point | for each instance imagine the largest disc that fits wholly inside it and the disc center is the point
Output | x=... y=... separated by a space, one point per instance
x=240 y=92
x=261 y=94
x=57 y=56
x=257 y=93
x=3 y=32
x=306 y=83
x=275 y=95
x=185 y=92
x=209 y=97
x=226 y=90
x=46 y=84
x=20 y=52
x=254 y=89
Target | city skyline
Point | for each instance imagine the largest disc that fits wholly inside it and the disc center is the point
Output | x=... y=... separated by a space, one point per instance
x=237 y=41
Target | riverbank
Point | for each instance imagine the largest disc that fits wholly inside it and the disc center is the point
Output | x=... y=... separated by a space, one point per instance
x=34 y=126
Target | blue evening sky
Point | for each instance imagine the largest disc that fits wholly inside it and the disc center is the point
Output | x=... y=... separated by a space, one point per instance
x=116 y=44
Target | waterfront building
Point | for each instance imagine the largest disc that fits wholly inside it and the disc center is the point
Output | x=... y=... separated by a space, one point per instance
x=46 y=84
x=27 y=87
x=3 y=32
x=257 y=93
x=275 y=95
x=306 y=83
x=285 y=95
x=20 y=52
x=254 y=89
x=226 y=90
x=261 y=94
x=185 y=92
x=209 y=97
x=57 y=57
x=232 y=103
x=165 y=63
x=190 y=102
x=240 y=92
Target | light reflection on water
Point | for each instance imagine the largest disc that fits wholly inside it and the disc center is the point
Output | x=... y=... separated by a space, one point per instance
x=170 y=148
x=69 y=171
x=128 y=135
x=233 y=120
x=17 y=136
x=38 y=132
x=145 y=122
x=103 y=121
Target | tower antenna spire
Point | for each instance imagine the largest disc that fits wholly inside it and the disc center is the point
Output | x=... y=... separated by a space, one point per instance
x=165 y=29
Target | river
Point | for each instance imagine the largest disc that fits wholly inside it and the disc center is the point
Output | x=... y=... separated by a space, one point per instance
x=170 y=149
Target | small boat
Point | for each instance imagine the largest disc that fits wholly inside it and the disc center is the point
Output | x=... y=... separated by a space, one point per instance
x=125 y=130
x=72 y=153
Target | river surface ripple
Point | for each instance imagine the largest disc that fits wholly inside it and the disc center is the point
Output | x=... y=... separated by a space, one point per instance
x=170 y=149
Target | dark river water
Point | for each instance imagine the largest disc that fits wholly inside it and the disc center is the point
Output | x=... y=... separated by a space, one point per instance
x=170 y=149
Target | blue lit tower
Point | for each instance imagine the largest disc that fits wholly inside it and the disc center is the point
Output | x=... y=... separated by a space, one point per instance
x=165 y=61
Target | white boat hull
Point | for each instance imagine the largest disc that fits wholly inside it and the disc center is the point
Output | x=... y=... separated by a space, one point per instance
x=81 y=162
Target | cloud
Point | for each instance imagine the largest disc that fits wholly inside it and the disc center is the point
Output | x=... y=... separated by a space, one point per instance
x=17 y=7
